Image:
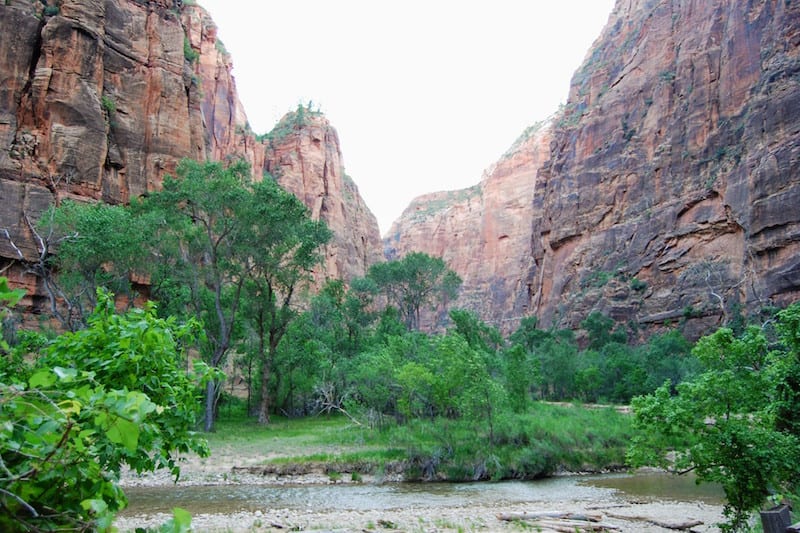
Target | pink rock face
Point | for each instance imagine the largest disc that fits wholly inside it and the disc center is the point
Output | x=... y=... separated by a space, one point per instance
x=103 y=99
x=670 y=185
x=307 y=161
x=483 y=233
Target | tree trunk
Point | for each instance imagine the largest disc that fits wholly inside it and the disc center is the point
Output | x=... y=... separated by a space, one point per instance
x=209 y=414
x=263 y=404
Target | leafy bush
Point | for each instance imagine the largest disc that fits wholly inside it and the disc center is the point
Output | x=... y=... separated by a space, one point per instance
x=736 y=422
x=113 y=394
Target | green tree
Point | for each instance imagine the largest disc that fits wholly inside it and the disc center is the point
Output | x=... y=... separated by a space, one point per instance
x=726 y=423
x=478 y=334
x=601 y=330
x=113 y=394
x=198 y=245
x=98 y=246
x=288 y=246
x=415 y=282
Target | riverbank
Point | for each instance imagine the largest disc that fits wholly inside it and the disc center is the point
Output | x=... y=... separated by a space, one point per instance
x=615 y=509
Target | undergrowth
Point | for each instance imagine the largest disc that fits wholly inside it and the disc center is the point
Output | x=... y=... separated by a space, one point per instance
x=545 y=440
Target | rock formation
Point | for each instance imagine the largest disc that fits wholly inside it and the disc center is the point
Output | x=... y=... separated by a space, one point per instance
x=483 y=233
x=304 y=155
x=99 y=99
x=670 y=188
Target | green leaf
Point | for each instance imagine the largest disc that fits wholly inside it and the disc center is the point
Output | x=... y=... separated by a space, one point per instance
x=181 y=521
x=42 y=379
x=65 y=374
x=94 y=506
x=124 y=432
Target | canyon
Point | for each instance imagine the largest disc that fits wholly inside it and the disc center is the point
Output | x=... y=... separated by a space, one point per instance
x=664 y=191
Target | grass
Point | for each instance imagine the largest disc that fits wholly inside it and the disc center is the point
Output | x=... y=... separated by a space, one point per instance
x=545 y=440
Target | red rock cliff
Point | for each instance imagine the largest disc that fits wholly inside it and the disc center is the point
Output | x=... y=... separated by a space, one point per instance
x=483 y=233
x=672 y=180
x=304 y=155
x=101 y=98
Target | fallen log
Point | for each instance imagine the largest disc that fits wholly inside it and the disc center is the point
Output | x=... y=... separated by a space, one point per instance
x=678 y=526
x=573 y=526
x=511 y=517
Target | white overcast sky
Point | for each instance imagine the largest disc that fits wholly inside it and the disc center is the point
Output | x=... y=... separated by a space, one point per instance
x=425 y=95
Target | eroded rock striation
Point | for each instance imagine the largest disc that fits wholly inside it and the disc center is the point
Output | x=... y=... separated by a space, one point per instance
x=100 y=99
x=671 y=186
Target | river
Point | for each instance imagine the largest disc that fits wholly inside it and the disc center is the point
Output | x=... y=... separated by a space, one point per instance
x=368 y=497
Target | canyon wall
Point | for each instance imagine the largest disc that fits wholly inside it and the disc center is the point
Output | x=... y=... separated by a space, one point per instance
x=304 y=155
x=99 y=99
x=483 y=233
x=670 y=188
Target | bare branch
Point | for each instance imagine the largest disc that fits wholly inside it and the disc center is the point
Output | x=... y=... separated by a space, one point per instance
x=5 y=232
x=22 y=502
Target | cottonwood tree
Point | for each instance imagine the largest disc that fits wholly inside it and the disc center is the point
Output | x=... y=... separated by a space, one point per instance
x=199 y=245
x=285 y=245
x=96 y=245
x=734 y=423
x=415 y=282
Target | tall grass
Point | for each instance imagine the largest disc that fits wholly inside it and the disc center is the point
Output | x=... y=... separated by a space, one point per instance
x=543 y=441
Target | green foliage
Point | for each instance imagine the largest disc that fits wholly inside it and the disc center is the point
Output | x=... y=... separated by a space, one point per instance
x=415 y=282
x=608 y=371
x=112 y=394
x=478 y=335
x=733 y=423
x=190 y=54
x=291 y=122
x=638 y=285
x=99 y=245
x=8 y=299
x=602 y=331
x=200 y=243
x=108 y=104
x=289 y=247
x=530 y=445
x=213 y=245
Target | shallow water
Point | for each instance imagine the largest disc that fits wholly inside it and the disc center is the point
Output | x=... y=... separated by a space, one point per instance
x=232 y=498
x=657 y=486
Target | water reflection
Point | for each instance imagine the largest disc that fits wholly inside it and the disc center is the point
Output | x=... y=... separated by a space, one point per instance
x=650 y=486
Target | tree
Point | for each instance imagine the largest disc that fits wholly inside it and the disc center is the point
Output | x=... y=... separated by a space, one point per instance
x=602 y=330
x=284 y=246
x=729 y=423
x=198 y=246
x=415 y=282
x=98 y=246
x=113 y=394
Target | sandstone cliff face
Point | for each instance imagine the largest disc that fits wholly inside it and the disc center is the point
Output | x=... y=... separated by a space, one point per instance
x=671 y=186
x=482 y=233
x=102 y=99
x=306 y=159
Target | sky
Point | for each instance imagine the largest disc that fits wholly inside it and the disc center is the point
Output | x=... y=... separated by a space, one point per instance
x=425 y=95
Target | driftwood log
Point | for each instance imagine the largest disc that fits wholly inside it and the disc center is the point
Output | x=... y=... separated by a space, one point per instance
x=561 y=522
x=678 y=526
